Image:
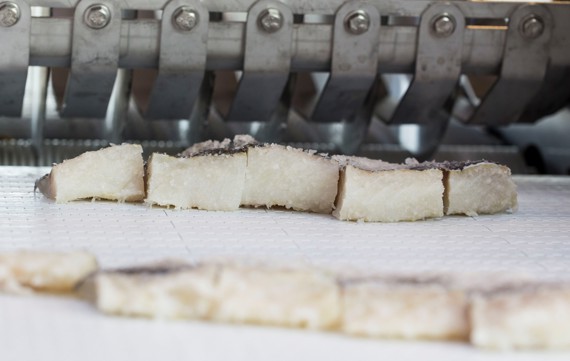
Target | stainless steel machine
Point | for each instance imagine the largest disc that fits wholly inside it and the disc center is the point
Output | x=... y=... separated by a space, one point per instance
x=383 y=78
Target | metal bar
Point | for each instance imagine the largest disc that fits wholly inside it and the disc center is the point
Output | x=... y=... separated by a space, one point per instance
x=118 y=107
x=312 y=44
x=297 y=6
x=478 y=9
x=39 y=77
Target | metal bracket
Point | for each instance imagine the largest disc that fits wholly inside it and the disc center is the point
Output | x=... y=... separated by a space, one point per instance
x=525 y=61
x=182 y=60
x=437 y=67
x=94 y=58
x=14 y=59
x=354 y=62
x=268 y=51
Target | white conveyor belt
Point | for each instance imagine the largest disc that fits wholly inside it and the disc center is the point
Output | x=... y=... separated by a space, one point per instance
x=534 y=240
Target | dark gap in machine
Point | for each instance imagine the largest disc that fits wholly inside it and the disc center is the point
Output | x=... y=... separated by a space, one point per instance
x=399 y=20
x=229 y=17
x=487 y=23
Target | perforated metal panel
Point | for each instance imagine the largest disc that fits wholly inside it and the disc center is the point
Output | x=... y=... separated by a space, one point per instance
x=534 y=240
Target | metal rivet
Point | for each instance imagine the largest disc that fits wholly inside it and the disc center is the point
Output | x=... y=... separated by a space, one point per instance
x=97 y=16
x=9 y=14
x=271 y=20
x=185 y=18
x=357 y=22
x=532 y=27
x=444 y=25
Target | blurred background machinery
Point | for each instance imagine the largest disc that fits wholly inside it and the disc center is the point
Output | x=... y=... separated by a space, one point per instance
x=381 y=78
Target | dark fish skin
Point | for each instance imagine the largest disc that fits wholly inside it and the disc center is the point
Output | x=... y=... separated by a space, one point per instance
x=44 y=185
x=448 y=165
x=226 y=147
x=218 y=151
x=400 y=280
x=161 y=268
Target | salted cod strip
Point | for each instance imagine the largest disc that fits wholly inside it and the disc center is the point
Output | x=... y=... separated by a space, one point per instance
x=210 y=180
x=297 y=179
x=480 y=187
x=498 y=314
x=404 y=307
x=532 y=317
x=279 y=296
x=167 y=291
x=112 y=173
x=290 y=297
x=26 y=271
x=376 y=191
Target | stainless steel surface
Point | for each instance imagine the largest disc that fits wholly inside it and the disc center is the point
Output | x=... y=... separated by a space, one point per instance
x=118 y=107
x=437 y=72
x=9 y=14
x=137 y=60
x=444 y=25
x=271 y=20
x=97 y=16
x=357 y=22
x=532 y=27
x=525 y=63
x=437 y=69
x=354 y=66
x=15 y=40
x=51 y=39
x=94 y=63
x=139 y=44
x=182 y=62
x=185 y=18
x=267 y=62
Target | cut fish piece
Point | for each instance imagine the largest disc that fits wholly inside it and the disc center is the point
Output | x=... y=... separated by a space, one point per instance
x=171 y=290
x=290 y=297
x=481 y=187
x=408 y=308
x=376 y=191
x=211 y=180
x=536 y=316
x=113 y=173
x=293 y=178
x=493 y=312
x=44 y=271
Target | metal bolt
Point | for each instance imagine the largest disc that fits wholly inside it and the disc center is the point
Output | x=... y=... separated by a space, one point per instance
x=532 y=27
x=444 y=25
x=185 y=18
x=271 y=20
x=357 y=22
x=97 y=16
x=9 y=14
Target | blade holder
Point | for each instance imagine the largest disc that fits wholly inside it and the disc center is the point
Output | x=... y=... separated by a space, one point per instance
x=182 y=60
x=15 y=24
x=354 y=65
x=94 y=58
x=525 y=61
x=437 y=68
x=267 y=62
